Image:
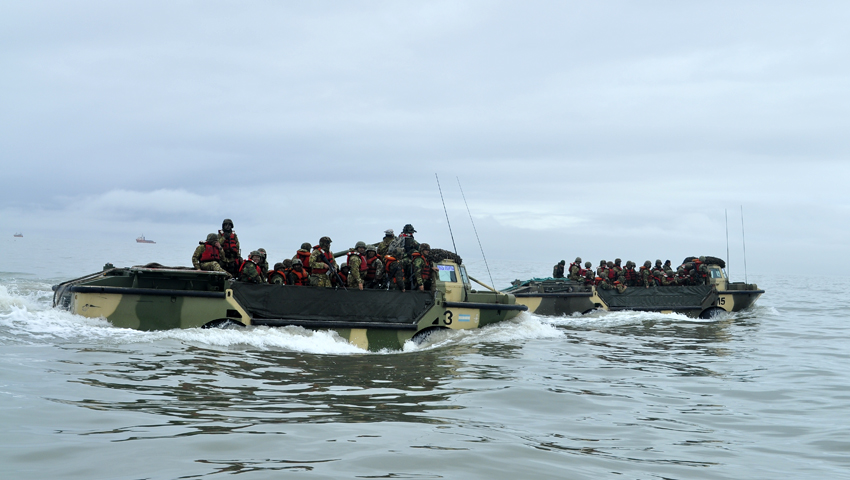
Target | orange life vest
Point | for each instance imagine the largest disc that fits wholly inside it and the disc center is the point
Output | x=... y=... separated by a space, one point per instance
x=363 y=266
x=281 y=272
x=301 y=278
x=230 y=245
x=305 y=260
x=370 y=267
x=259 y=270
x=321 y=271
x=426 y=269
x=211 y=254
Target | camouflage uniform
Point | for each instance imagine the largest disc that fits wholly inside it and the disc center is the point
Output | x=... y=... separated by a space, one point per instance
x=420 y=262
x=318 y=263
x=410 y=244
x=212 y=266
x=249 y=271
x=232 y=259
x=264 y=263
x=558 y=271
x=354 y=263
x=383 y=247
x=646 y=275
x=378 y=280
x=668 y=268
x=395 y=271
x=575 y=270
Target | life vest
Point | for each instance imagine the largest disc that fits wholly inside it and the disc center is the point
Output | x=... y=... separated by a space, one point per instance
x=597 y=280
x=320 y=271
x=305 y=260
x=246 y=262
x=630 y=274
x=211 y=254
x=301 y=278
x=612 y=274
x=230 y=245
x=370 y=267
x=363 y=266
x=281 y=272
x=426 y=269
x=575 y=265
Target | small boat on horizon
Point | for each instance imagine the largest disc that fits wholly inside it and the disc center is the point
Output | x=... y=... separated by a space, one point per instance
x=142 y=239
x=19 y=234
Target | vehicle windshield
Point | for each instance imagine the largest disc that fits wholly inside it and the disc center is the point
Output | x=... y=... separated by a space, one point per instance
x=464 y=275
x=447 y=273
x=715 y=273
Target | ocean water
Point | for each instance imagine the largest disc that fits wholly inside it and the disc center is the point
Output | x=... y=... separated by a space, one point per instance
x=763 y=393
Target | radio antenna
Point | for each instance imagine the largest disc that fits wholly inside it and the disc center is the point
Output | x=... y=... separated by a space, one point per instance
x=743 y=241
x=728 y=267
x=476 y=232
x=447 y=213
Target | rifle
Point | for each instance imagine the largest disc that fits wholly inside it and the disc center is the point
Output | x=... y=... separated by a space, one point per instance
x=331 y=268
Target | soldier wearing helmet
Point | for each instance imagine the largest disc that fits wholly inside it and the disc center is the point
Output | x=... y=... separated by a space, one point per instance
x=409 y=244
x=602 y=269
x=303 y=254
x=658 y=267
x=631 y=277
x=618 y=272
x=322 y=264
x=298 y=275
x=356 y=261
x=280 y=273
x=208 y=255
x=558 y=271
x=250 y=271
x=422 y=270
x=230 y=246
x=384 y=246
x=374 y=269
x=264 y=263
x=394 y=269
x=575 y=270
x=646 y=274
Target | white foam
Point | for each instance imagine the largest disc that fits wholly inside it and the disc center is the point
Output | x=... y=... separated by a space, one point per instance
x=523 y=327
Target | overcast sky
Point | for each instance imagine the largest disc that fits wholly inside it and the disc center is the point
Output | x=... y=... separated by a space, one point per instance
x=598 y=129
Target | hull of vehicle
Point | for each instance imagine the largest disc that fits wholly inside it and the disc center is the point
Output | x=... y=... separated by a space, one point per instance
x=155 y=298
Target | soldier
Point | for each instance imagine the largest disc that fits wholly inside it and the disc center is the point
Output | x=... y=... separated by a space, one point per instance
x=264 y=263
x=394 y=270
x=588 y=278
x=618 y=271
x=383 y=247
x=374 y=278
x=230 y=246
x=208 y=254
x=340 y=279
x=646 y=274
x=303 y=253
x=410 y=244
x=322 y=263
x=668 y=267
x=612 y=275
x=588 y=267
x=657 y=267
x=356 y=261
x=250 y=271
x=558 y=271
x=422 y=268
x=280 y=274
x=575 y=270
x=298 y=276
x=602 y=269
x=667 y=279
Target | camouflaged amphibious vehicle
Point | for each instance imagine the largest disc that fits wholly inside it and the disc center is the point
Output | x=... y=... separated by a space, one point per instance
x=153 y=297
x=559 y=296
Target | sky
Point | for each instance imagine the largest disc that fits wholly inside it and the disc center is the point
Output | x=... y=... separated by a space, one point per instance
x=556 y=129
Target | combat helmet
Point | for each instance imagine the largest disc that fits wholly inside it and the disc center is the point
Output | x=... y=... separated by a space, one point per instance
x=578 y=261
x=423 y=247
x=408 y=229
x=360 y=244
x=305 y=246
x=325 y=241
x=588 y=265
x=372 y=248
x=297 y=261
x=255 y=253
x=617 y=262
x=212 y=238
x=226 y=221
x=389 y=232
x=658 y=263
x=288 y=263
x=562 y=262
x=262 y=252
x=647 y=264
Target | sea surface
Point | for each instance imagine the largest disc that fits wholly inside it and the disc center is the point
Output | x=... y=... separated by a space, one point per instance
x=760 y=394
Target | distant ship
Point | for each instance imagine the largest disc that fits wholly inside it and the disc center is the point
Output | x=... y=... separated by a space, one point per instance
x=141 y=240
x=19 y=234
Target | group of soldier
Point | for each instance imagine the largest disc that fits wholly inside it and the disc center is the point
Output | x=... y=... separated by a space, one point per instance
x=397 y=262
x=612 y=275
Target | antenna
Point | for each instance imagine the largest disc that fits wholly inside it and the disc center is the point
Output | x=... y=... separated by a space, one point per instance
x=728 y=268
x=476 y=231
x=447 y=213
x=745 y=245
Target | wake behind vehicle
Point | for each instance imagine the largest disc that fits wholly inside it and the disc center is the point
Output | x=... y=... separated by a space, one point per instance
x=560 y=296
x=153 y=297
